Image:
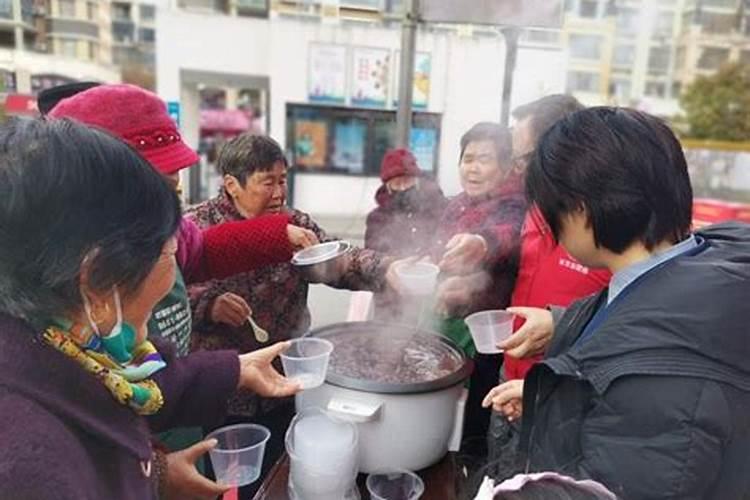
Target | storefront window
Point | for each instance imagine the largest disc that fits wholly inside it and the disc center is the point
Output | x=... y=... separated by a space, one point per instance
x=352 y=141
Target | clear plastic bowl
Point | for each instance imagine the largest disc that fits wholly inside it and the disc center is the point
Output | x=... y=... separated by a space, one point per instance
x=306 y=361
x=488 y=328
x=419 y=278
x=323 y=456
x=396 y=485
x=238 y=456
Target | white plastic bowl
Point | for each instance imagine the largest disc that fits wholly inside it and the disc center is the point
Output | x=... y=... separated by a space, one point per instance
x=238 y=456
x=306 y=361
x=488 y=328
x=419 y=278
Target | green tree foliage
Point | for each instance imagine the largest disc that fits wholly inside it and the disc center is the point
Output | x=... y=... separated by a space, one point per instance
x=718 y=107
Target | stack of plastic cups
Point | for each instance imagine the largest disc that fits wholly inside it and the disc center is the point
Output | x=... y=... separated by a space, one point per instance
x=323 y=457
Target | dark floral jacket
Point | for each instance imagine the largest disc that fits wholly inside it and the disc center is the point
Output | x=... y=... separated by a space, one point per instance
x=277 y=295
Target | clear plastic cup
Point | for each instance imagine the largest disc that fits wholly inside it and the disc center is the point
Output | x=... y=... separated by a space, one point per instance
x=419 y=278
x=306 y=361
x=488 y=328
x=396 y=485
x=323 y=456
x=238 y=456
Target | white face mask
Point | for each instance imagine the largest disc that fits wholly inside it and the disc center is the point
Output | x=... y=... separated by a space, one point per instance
x=120 y=342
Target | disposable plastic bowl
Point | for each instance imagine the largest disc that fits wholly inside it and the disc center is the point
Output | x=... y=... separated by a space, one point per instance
x=419 y=278
x=395 y=485
x=488 y=328
x=238 y=456
x=306 y=361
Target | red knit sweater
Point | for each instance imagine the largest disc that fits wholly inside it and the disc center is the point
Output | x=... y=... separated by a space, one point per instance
x=232 y=248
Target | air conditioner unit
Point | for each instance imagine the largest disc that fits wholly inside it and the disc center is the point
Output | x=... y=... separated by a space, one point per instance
x=39 y=10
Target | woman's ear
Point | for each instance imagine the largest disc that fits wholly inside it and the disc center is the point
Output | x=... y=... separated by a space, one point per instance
x=232 y=185
x=99 y=303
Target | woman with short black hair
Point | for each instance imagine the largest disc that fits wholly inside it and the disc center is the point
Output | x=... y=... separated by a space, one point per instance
x=88 y=248
x=645 y=386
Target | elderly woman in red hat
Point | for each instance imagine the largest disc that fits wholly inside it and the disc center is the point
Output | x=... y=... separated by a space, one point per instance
x=409 y=207
x=403 y=224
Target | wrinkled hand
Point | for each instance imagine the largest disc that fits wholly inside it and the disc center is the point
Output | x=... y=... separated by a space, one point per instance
x=463 y=253
x=183 y=479
x=533 y=337
x=506 y=398
x=299 y=237
x=257 y=374
x=453 y=292
x=230 y=309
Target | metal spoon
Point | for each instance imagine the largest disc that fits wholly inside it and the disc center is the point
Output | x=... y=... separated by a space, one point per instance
x=260 y=334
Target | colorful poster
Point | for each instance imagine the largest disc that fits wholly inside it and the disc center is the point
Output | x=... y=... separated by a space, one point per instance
x=349 y=145
x=326 y=79
x=423 y=142
x=422 y=78
x=310 y=143
x=369 y=80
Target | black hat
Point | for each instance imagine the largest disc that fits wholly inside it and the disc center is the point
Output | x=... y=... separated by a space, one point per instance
x=48 y=98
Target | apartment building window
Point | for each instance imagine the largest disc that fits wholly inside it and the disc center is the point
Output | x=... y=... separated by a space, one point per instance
x=253 y=8
x=363 y=4
x=147 y=12
x=583 y=81
x=93 y=49
x=121 y=12
x=655 y=89
x=395 y=6
x=658 y=60
x=729 y=4
x=627 y=21
x=68 y=48
x=714 y=22
x=6 y=9
x=589 y=8
x=664 y=24
x=123 y=32
x=121 y=55
x=620 y=89
x=67 y=8
x=585 y=46
x=27 y=11
x=712 y=58
x=549 y=37
x=146 y=35
x=624 y=55
x=92 y=11
x=680 y=57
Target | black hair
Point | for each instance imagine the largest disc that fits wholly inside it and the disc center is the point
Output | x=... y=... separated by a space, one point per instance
x=69 y=192
x=547 y=111
x=49 y=98
x=626 y=168
x=248 y=153
x=490 y=131
x=548 y=489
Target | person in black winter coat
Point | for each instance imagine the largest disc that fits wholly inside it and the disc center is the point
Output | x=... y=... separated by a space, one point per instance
x=645 y=386
x=403 y=224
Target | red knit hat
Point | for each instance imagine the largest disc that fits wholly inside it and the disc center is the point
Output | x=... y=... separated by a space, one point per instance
x=136 y=116
x=398 y=162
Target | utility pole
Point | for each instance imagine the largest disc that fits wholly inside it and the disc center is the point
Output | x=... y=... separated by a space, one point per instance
x=511 y=35
x=406 y=74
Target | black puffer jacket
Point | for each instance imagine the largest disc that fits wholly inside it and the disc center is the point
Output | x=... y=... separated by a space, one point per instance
x=656 y=404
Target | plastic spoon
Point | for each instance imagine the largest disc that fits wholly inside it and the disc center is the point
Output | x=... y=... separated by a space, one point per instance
x=260 y=334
